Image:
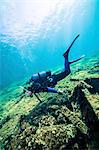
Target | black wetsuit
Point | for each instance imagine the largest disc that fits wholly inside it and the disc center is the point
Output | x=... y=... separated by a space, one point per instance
x=44 y=82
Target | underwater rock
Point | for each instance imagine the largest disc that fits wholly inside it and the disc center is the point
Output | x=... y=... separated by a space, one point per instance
x=73 y=118
x=46 y=138
x=87 y=112
x=47 y=120
x=47 y=107
x=65 y=122
x=94 y=82
x=53 y=137
x=88 y=115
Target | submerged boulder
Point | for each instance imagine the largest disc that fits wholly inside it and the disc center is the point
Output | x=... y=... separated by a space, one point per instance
x=65 y=122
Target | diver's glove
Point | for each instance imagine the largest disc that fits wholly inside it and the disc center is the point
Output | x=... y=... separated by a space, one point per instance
x=26 y=91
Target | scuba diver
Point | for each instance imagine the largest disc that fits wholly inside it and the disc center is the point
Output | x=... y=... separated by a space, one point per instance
x=46 y=81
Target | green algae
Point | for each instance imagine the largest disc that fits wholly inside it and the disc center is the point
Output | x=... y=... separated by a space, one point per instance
x=59 y=122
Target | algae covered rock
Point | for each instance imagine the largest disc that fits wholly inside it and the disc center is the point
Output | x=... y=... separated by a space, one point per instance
x=53 y=137
x=61 y=122
x=47 y=120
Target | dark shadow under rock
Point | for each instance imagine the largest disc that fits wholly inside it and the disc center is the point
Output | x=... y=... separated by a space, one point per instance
x=94 y=82
x=88 y=114
x=87 y=111
x=3 y=121
x=47 y=107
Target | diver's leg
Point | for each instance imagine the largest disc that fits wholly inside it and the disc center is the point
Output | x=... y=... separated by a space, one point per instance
x=66 y=71
x=66 y=65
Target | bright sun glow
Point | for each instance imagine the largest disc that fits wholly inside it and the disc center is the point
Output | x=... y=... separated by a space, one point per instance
x=25 y=21
x=17 y=15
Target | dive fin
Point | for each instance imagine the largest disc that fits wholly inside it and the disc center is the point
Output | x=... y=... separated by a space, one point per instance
x=67 y=51
x=77 y=59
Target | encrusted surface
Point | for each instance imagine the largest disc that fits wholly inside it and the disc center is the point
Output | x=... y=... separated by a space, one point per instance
x=68 y=121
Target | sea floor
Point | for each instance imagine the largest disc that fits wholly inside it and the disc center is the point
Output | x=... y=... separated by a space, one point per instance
x=60 y=122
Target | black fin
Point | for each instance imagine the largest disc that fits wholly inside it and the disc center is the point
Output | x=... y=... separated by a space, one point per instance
x=67 y=51
x=77 y=59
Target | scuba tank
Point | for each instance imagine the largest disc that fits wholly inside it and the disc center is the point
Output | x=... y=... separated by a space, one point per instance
x=39 y=77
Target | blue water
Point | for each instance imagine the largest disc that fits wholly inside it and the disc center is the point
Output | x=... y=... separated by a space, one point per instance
x=35 y=33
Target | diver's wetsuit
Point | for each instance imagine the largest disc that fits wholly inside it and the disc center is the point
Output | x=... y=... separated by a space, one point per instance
x=57 y=77
x=45 y=82
x=65 y=72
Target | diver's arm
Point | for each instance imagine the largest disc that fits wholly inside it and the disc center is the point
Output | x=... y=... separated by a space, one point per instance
x=52 y=90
